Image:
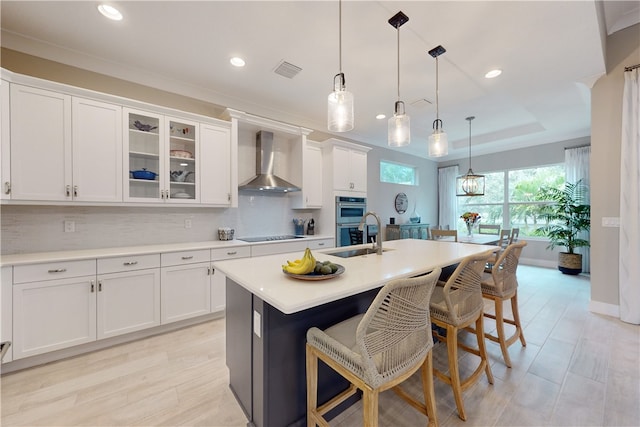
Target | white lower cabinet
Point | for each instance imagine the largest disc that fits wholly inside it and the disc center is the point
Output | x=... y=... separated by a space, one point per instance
x=128 y=292
x=128 y=302
x=186 y=288
x=219 y=279
x=6 y=312
x=53 y=314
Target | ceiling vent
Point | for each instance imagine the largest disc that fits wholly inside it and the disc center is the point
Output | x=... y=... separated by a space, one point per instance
x=286 y=69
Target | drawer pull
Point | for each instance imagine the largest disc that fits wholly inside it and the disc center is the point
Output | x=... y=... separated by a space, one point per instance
x=187 y=257
x=320 y=244
x=130 y=263
x=232 y=253
x=58 y=270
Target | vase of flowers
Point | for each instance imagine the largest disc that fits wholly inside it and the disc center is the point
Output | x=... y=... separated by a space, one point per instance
x=470 y=219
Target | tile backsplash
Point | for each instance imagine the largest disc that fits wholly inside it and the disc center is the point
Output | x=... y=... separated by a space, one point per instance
x=27 y=229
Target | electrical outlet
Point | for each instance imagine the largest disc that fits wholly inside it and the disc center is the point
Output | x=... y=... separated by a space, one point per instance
x=69 y=226
x=187 y=223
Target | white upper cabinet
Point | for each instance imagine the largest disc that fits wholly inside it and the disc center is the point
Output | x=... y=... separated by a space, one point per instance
x=215 y=162
x=161 y=157
x=310 y=162
x=97 y=151
x=5 y=140
x=40 y=144
x=64 y=148
x=347 y=166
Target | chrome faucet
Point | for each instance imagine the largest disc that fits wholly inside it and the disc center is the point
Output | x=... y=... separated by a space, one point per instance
x=378 y=242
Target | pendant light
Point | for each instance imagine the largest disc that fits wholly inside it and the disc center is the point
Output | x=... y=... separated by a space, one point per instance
x=470 y=184
x=438 y=141
x=399 y=127
x=340 y=101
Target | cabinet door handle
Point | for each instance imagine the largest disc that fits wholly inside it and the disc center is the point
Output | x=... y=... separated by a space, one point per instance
x=75 y=191
x=99 y=285
x=7 y=187
x=187 y=257
x=228 y=197
x=232 y=253
x=130 y=263
x=93 y=286
x=57 y=270
x=68 y=190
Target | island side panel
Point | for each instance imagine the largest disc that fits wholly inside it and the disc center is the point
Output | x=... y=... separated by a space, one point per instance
x=238 y=324
x=279 y=360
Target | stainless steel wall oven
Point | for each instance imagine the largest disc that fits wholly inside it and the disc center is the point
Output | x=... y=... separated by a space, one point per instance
x=349 y=212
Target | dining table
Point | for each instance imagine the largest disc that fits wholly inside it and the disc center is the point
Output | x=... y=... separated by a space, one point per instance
x=480 y=239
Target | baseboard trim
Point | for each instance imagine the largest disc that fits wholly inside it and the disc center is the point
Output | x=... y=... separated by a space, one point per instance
x=604 y=308
x=539 y=262
x=41 y=359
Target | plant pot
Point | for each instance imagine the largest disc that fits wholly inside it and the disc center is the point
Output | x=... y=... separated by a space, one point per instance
x=570 y=263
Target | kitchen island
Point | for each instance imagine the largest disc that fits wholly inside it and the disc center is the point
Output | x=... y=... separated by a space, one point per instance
x=268 y=314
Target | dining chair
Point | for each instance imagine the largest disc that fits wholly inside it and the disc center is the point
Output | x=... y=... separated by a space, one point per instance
x=515 y=232
x=503 y=242
x=355 y=236
x=455 y=306
x=378 y=350
x=501 y=285
x=440 y=234
x=488 y=229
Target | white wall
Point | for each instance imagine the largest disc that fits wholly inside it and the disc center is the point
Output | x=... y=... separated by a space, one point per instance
x=381 y=196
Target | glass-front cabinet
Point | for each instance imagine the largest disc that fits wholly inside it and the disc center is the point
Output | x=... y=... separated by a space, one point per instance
x=161 y=154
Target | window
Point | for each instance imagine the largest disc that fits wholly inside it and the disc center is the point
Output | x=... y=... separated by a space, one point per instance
x=396 y=173
x=509 y=198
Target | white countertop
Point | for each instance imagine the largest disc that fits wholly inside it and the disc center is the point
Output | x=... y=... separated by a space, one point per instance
x=57 y=256
x=263 y=276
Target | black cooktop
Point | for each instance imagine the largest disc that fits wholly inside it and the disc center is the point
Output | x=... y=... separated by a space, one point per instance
x=269 y=238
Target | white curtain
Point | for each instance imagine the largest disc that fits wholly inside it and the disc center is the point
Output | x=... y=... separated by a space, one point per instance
x=629 y=268
x=576 y=164
x=447 y=203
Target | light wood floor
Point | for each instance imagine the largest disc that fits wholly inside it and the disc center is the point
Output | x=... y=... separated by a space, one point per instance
x=578 y=369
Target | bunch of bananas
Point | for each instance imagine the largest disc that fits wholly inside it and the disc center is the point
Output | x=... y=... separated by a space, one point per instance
x=305 y=265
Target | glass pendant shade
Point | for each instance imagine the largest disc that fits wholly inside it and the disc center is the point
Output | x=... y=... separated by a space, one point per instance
x=438 y=143
x=340 y=107
x=399 y=128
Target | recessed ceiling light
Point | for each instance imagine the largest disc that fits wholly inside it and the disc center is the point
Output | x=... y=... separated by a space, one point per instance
x=380 y=116
x=110 y=12
x=493 y=73
x=236 y=61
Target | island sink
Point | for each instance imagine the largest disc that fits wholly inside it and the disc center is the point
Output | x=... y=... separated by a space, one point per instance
x=355 y=252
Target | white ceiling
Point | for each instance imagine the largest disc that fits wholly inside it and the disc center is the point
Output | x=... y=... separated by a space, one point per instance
x=551 y=53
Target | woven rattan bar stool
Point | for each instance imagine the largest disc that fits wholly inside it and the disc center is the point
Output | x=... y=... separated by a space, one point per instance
x=501 y=285
x=505 y=235
x=377 y=350
x=455 y=306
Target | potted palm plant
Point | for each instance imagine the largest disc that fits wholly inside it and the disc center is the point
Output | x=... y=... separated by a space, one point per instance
x=565 y=217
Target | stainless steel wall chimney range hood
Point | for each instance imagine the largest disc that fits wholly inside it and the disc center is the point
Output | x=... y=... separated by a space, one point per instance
x=265 y=179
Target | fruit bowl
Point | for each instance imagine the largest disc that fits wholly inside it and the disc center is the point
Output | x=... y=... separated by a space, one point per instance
x=316 y=276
